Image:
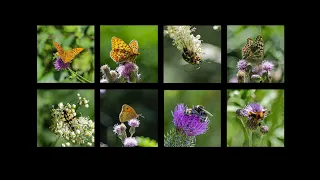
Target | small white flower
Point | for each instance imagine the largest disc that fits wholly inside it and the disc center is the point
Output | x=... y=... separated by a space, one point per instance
x=68 y=144
x=72 y=134
x=89 y=144
x=74 y=106
x=78 y=94
x=88 y=133
x=87 y=105
x=104 y=81
x=80 y=103
x=73 y=110
x=60 y=105
x=79 y=98
x=60 y=132
x=63 y=145
x=78 y=131
x=216 y=27
x=74 y=114
x=69 y=106
x=92 y=139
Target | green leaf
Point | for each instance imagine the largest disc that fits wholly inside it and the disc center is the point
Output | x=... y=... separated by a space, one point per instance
x=146 y=142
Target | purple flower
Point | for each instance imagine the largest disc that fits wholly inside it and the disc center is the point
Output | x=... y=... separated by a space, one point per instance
x=126 y=69
x=60 y=65
x=267 y=65
x=233 y=80
x=242 y=65
x=130 y=142
x=264 y=129
x=102 y=91
x=252 y=107
x=134 y=123
x=189 y=124
x=118 y=129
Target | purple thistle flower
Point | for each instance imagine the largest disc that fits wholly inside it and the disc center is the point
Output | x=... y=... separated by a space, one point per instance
x=130 y=142
x=252 y=107
x=267 y=65
x=134 y=123
x=189 y=124
x=60 y=65
x=126 y=69
x=119 y=129
x=264 y=129
x=242 y=65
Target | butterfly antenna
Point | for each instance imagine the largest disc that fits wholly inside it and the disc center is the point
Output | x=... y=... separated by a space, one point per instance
x=140 y=115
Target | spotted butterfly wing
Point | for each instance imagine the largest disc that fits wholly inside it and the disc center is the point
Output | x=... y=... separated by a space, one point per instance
x=120 y=51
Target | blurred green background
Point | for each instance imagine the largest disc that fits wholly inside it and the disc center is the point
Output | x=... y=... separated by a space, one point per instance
x=144 y=102
x=45 y=100
x=68 y=37
x=175 y=67
x=147 y=37
x=273 y=37
x=272 y=100
x=210 y=99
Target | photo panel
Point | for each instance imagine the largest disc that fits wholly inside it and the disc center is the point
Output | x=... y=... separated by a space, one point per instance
x=255 y=118
x=192 y=54
x=128 y=54
x=65 y=54
x=65 y=118
x=192 y=118
x=128 y=118
x=255 y=54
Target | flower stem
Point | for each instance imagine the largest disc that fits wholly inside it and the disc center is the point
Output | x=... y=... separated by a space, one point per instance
x=80 y=78
x=261 y=138
x=56 y=142
x=249 y=136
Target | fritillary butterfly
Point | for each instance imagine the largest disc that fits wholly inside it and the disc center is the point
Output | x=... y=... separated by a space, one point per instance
x=67 y=56
x=253 y=51
x=122 y=52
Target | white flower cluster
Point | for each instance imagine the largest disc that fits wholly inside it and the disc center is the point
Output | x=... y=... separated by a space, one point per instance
x=182 y=38
x=66 y=124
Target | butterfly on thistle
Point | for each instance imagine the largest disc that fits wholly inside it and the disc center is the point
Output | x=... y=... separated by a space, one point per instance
x=253 y=51
x=121 y=52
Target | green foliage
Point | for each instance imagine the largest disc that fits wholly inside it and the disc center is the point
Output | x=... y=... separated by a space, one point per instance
x=146 y=142
x=210 y=99
x=147 y=37
x=272 y=100
x=68 y=37
x=273 y=37
x=48 y=98
x=174 y=138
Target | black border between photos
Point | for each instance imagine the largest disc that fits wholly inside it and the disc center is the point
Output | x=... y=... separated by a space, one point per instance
x=223 y=86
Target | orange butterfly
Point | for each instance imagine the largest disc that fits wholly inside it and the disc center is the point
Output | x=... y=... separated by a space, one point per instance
x=67 y=56
x=127 y=113
x=122 y=52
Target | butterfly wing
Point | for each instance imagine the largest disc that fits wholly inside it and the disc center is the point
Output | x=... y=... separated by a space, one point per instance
x=120 y=51
x=71 y=54
x=134 y=46
x=127 y=113
x=246 y=49
x=60 y=51
x=257 y=48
